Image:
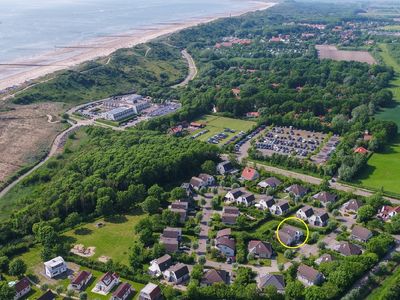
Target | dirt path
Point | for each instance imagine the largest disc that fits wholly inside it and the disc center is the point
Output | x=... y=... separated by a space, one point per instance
x=192 y=70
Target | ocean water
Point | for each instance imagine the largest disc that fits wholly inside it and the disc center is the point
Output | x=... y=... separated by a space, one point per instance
x=31 y=27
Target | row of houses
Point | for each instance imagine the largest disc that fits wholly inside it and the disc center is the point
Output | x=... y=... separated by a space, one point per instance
x=163 y=266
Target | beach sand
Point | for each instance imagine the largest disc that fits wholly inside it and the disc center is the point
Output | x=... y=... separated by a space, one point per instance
x=20 y=72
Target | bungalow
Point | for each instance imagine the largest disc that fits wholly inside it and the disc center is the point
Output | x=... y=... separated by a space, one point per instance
x=352 y=205
x=325 y=197
x=229 y=219
x=47 y=296
x=22 y=288
x=260 y=249
x=280 y=208
x=290 y=235
x=208 y=179
x=297 y=191
x=171 y=244
x=81 y=280
x=226 y=246
x=177 y=273
x=246 y=199
x=172 y=232
x=150 y=292
x=224 y=232
x=305 y=212
x=159 y=265
x=123 y=292
x=324 y=258
x=347 y=249
x=197 y=183
x=181 y=213
x=106 y=283
x=55 y=267
x=388 y=212
x=360 y=234
x=233 y=195
x=265 y=203
x=249 y=174
x=308 y=275
x=277 y=281
x=231 y=210
x=271 y=182
x=225 y=167
x=215 y=276
x=180 y=205
x=319 y=218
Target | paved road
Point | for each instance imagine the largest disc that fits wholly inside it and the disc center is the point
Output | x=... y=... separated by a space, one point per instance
x=192 y=70
x=204 y=228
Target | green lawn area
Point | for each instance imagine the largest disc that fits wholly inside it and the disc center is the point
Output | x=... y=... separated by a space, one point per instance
x=113 y=239
x=217 y=124
x=392 y=28
x=387 y=284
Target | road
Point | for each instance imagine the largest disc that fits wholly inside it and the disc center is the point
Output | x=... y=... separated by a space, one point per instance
x=192 y=70
x=204 y=228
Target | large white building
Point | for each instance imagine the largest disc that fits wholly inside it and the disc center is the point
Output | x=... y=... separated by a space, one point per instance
x=55 y=267
x=119 y=113
x=138 y=106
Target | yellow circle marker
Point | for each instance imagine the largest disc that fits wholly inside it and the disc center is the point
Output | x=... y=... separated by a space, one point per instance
x=297 y=219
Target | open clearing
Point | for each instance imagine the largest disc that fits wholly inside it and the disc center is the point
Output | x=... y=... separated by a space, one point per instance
x=331 y=52
x=216 y=124
x=113 y=239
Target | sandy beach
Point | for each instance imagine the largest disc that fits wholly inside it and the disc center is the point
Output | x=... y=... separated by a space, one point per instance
x=20 y=72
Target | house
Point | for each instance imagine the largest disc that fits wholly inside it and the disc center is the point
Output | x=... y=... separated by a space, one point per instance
x=271 y=182
x=246 y=199
x=290 y=235
x=180 y=205
x=122 y=292
x=208 y=179
x=260 y=249
x=277 y=281
x=233 y=195
x=360 y=234
x=308 y=275
x=280 y=208
x=22 y=288
x=81 y=280
x=47 y=296
x=252 y=114
x=225 y=167
x=324 y=258
x=265 y=203
x=305 y=213
x=171 y=244
x=319 y=218
x=188 y=189
x=106 y=283
x=361 y=150
x=236 y=92
x=231 y=210
x=249 y=174
x=297 y=190
x=197 y=125
x=226 y=246
x=197 y=183
x=172 y=232
x=181 y=212
x=229 y=219
x=177 y=273
x=55 y=267
x=352 y=205
x=388 y=212
x=150 y=292
x=159 y=265
x=224 y=232
x=325 y=197
x=215 y=276
x=347 y=249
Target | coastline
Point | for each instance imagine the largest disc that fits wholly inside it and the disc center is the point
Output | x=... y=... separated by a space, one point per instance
x=19 y=73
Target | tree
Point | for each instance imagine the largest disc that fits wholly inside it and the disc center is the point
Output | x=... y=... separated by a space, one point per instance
x=365 y=213
x=4 y=261
x=72 y=219
x=155 y=191
x=151 y=205
x=170 y=218
x=209 y=167
x=17 y=267
x=380 y=244
x=105 y=206
x=59 y=289
x=294 y=290
x=146 y=237
x=83 y=296
x=178 y=193
x=137 y=257
x=6 y=292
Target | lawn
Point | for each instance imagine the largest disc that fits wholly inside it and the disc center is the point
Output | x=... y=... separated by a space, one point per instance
x=113 y=239
x=217 y=124
x=392 y=27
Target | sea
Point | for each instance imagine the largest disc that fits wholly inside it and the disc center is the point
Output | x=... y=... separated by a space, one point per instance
x=32 y=27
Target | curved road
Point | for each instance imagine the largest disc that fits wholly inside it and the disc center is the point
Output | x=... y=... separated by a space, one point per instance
x=192 y=69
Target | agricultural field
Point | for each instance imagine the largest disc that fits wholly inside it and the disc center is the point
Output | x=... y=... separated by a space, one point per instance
x=392 y=28
x=331 y=52
x=113 y=239
x=217 y=124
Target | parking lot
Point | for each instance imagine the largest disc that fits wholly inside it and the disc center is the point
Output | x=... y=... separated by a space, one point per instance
x=290 y=141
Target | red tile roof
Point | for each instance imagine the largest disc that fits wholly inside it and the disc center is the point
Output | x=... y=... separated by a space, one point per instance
x=249 y=173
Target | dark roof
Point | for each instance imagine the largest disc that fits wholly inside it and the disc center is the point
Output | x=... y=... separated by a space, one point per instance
x=170 y=244
x=348 y=249
x=205 y=177
x=224 y=232
x=269 y=201
x=284 y=205
x=308 y=211
x=47 y=296
x=231 y=210
x=22 y=285
x=180 y=270
x=108 y=277
x=81 y=277
x=274 y=280
x=164 y=262
x=297 y=189
x=287 y=232
x=260 y=247
x=361 y=232
x=180 y=205
x=236 y=192
x=172 y=232
x=249 y=197
x=215 y=276
x=225 y=241
x=325 y=258
x=196 y=181
x=353 y=204
x=227 y=165
x=273 y=181
x=122 y=290
x=152 y=290
x=308 y=273
x=229 y=218
x=325 y=197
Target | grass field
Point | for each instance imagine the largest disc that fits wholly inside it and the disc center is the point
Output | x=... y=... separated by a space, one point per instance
x=216 y=124
x=113 y=240
x=392 y=28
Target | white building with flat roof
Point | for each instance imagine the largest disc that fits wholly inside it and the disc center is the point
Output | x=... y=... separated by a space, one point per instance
x=119 y=113
x=138 y=106
x=55 y=267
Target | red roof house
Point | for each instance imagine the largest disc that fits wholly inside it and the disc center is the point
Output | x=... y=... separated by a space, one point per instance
x=250 y=174
x=361 y=150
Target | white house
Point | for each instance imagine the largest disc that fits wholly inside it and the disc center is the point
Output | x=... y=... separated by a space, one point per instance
x=246 y=199
x=319 y=218
x=177 y=273
x=159 y=265
x=208 y=179
x=290 y=235
x=226 y=246
x=106 y=283
x=81 y=280
x=22 y=288
x=55 y=267
x=280 y=208
x=305 y=212
x=150 y=292
x=308 y=275
x=233 y=195
x=265 y=203
x=122 y=292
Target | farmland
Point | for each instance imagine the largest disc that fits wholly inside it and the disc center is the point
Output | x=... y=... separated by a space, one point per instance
x=216 y=124
x=331 y=52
